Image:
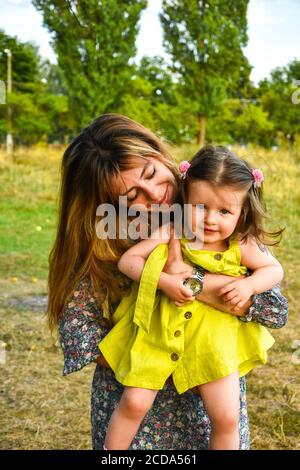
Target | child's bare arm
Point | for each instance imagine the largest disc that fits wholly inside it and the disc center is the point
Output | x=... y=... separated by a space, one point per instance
x=267 y=270
x=132 y=262
x=267 y=273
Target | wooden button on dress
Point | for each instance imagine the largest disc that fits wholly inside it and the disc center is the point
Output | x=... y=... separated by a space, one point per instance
x=174 y=357
x=188 y=315
x=218 y=256
x=177 y=333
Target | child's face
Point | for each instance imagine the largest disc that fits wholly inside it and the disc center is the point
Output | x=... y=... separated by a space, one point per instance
x=222 y=208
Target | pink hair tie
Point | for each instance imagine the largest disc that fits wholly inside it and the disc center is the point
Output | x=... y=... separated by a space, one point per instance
x=258 y=177
x=183 y=168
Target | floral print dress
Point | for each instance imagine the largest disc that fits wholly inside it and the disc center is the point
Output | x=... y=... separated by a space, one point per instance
x=175 y=421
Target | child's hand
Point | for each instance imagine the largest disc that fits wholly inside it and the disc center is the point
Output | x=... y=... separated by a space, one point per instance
x=174 y=289
x=237 y=293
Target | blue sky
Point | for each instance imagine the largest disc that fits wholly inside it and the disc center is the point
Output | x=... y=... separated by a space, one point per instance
x=274 y=31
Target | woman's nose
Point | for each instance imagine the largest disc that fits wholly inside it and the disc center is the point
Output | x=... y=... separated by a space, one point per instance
x=152 y=193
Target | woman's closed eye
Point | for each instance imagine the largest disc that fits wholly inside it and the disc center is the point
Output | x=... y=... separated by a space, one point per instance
x=147 y=177
x=152 y=173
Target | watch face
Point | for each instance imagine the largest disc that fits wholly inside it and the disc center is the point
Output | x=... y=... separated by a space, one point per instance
x=194 y=284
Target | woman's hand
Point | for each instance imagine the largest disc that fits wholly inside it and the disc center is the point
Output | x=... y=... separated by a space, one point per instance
x=102 y=362
x=212 y=288
x=175 y=263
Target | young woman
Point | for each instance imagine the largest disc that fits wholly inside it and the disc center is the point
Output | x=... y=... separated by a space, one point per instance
x=115 y=156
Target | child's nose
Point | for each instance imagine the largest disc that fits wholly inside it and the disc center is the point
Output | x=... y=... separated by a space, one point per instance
x=210 y=217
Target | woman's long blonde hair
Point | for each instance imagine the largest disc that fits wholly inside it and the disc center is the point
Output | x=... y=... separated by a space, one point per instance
x=102 y=150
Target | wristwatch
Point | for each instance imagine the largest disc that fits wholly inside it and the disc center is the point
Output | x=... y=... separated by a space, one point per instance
x=196 y=281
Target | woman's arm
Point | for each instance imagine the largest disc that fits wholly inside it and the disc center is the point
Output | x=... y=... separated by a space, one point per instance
x=269 y=308
x=132 y=262
x=81 y=328
x=213 y=284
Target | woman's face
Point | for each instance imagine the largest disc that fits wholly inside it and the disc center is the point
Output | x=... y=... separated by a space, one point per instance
x=149 y=182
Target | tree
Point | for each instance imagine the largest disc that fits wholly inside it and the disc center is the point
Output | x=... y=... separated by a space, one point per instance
x=95 y=43
x=155 y=99
x=205 y=40
x=276 y=95
x=25 y=61
x=52 y=76
x=39 y=107
x=36 y=116
x=156 y=71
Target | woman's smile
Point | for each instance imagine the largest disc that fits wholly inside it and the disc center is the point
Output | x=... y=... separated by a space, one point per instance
x=165 y=198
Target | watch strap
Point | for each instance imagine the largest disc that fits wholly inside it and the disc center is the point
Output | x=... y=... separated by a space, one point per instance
x=199 y=273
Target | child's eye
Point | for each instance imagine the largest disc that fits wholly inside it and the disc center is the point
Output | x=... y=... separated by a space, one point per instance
x=224 y=211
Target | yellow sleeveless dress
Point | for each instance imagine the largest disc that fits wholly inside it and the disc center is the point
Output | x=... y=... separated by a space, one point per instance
x=152 y=338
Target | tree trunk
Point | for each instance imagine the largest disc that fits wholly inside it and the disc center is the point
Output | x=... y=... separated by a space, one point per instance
x=202 y=130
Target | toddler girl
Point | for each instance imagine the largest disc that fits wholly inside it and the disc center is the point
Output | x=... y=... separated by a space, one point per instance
x=162 y=330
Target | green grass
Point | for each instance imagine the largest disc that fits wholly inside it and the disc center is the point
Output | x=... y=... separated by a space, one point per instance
x=28 y=200
x=43 y=410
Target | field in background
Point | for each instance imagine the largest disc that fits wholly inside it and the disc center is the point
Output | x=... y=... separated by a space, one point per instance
x=42 y=410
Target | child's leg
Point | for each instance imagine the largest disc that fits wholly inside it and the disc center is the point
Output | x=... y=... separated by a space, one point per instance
x=127 y=417
x=222 y=403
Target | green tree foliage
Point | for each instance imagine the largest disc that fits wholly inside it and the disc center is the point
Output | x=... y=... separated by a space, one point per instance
x=205 y=40
x=156 y=71
x=53 y=77
x=26 y=63
x=155 y=99
x=37 y=116
x=39 y=108
x=276 y=97
x=241 y=121
x=136 y=102
x=95 y=44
